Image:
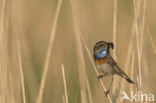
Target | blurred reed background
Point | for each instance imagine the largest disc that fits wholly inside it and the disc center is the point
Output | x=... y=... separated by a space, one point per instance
x=38 y=36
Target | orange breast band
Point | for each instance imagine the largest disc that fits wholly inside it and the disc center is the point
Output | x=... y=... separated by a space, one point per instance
x=99 y=62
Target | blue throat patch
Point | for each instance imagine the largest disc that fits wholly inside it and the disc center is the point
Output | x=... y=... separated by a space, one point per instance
x=101 y=55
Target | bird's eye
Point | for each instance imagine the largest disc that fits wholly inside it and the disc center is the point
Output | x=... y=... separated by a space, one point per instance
x=97 y=48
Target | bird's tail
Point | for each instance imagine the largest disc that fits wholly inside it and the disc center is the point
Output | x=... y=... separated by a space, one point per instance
x=125 y=76
x=129 y=80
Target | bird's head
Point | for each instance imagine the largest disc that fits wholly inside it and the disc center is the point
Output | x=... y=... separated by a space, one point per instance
x=101 y=49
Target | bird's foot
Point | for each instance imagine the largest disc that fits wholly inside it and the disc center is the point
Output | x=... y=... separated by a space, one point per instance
x=107 y=92
x=99 y=77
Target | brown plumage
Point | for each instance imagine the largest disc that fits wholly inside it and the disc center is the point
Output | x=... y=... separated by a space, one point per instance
x=105 y=63
x=117 y=69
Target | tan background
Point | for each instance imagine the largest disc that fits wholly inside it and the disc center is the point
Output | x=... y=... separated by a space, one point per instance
x=34 y=19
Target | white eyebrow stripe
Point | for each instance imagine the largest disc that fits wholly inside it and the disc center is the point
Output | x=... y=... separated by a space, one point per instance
x=100 y=44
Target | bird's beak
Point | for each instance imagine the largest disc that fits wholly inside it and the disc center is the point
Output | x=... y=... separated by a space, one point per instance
x=110 y=44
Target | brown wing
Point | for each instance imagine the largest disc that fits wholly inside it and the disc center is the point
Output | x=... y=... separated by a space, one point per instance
x=117 y=69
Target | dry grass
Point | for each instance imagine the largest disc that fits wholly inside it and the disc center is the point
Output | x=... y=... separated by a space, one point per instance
x=148 y=28
x=101 y=82
x=3 y=72
x=47 y=60
x=32 y=50
x=150 y=37
x=139 y=37
x=82 y=72
x=132 y=72
x=115 y=28
x=64 y=82
x=115 y=43
x=17 y=33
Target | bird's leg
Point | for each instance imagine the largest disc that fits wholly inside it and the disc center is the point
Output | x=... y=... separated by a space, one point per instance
x=101 y=75
x=110 y=85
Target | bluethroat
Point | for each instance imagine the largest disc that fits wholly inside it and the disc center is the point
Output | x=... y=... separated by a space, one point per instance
x=105 y=64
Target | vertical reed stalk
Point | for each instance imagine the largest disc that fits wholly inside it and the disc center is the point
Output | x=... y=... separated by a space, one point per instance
x=131 y=44
x=132 y=72
x=143 y=27
x=17 y=31
x=150 y=36
x=138 y=44
x=115 y=42
x=129 y=53
x=3 y=76
x=101 y=82
x=89 y=92
x=115 y=29
x=64 y=82
x=50 y=45
x=2 y=18
x=149 y=32
x=82 y=72
x=63 y=99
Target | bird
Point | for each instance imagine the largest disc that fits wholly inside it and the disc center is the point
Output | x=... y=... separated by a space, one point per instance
x=105 y=64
